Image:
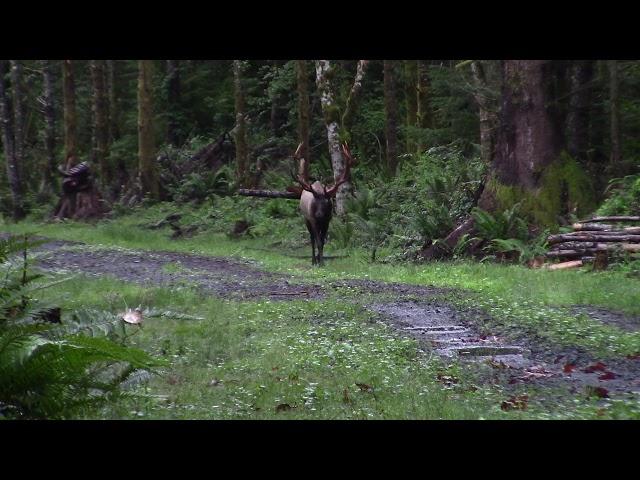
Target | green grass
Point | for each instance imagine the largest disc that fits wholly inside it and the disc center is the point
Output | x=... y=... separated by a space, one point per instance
x=246 y=358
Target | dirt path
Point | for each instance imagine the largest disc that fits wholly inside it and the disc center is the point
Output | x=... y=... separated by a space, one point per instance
x=412 y=310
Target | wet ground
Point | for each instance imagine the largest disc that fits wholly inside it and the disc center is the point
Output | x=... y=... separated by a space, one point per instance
x=412 y=310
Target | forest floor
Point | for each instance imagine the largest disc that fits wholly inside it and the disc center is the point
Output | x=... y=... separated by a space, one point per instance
x=279 y=339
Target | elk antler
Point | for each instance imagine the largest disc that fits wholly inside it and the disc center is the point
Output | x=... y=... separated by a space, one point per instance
x=298 y=178
x=346 y=173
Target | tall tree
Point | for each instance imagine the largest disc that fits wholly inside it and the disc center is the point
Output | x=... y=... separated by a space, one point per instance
x=173 y=101
x=50 y=125
x=614 y=101
x=70 y=117
x=100 y=123
x=146 y=141
x=486 y=112
x=114 y=110
x=332 y=119
x=8 y=142
x=240 y=133
x=424 y=115
x=18 y=113
x=579 y=109
x=391 y=116
x=411 y=99
x=302 y=76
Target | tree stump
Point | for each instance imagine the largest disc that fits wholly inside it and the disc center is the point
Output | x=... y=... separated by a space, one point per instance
x=601 y=261
x=80 y=199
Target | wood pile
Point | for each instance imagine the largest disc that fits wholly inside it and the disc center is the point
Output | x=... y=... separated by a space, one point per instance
x=595 y=240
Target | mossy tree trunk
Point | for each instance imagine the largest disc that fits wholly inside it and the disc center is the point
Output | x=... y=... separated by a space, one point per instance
x=411 y=99
x=173 y=101
x=302 y=76
x=579 y=109
x=8 y=143
x=391 y=116
x=18 y=114
x=146 y=141
x=338 y=126
x=112 y=93
x=425 y=117
x=50 y=125
x=614 y=102
x=486 y=111
x=70 y=117
x=240 y=130
x=100 y=123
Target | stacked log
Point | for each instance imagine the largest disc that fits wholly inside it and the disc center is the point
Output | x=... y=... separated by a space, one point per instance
x=594 y=238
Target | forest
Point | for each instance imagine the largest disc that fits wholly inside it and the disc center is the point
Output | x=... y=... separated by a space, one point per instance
x=320 y=239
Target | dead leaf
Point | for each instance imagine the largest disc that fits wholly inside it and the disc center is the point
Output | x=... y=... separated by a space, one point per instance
x=447 y=380
x=364 y=387
x=596 y=367
x=599 y=392
x=635 y=356
x=607 y=376
x=569 y=367
x=284 y=407
x=132 y=316
x=500 y=365
x=518 y=402
x=345 y=396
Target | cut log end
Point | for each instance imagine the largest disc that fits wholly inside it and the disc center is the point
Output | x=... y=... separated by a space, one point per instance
x=566 y=265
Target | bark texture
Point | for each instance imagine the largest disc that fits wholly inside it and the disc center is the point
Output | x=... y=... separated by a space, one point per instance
x=486 y=111
x=614 y=100
x=173 y=101
x=146 y=141
x=8 y=143
x=302 y=76
x=50 y=125
x=240 y=134
x=391 y=116
x=579 y=109
x=100 y=120
x=411 y=99
x=70 y=117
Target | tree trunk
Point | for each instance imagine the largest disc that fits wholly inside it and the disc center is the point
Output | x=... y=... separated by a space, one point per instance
x=614 y=100
x=528 y=140
x=579 y=110
x=146 y=140
x=240 y=135
x=485 y=112
x=70 y=119
x=8 y=142
x=173 y=101
x=353 y=100
x=18 y=115
x=50 y=125
x=303 y=117
x=425 y=119
x=324 y=71
x=391 y=117
x=114 y=111
x=411 y=98
x=100 y=127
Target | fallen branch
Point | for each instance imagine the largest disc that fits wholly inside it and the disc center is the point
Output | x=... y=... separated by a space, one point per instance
x=565 y=265
x=614 y=218
x=267 y=193
x=604 y=227
x=594 y=237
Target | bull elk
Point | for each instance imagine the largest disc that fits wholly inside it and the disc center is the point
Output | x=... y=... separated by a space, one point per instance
x=316 y=204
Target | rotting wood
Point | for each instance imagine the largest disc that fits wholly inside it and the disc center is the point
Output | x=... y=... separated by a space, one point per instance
x=613 y=218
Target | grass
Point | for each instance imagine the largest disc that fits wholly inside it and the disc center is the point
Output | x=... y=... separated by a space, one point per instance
x=305 y=359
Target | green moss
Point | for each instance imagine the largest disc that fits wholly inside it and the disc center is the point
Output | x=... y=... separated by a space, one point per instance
x=564 y=186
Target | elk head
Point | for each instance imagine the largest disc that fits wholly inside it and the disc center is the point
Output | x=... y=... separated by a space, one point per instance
x=316 y=204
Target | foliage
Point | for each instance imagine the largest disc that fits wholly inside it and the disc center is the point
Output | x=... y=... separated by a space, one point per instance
x=49 y=370
x=624 y=197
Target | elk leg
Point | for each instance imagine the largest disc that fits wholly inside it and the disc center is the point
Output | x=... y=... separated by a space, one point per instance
x=313 y=243
x=322 y=236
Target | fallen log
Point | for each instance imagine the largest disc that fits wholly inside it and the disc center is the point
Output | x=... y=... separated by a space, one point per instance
x=628 y=247
x=565 y=265
x=267 y=193
x=593 y=237
x=614 y=218
x=601 y=228
x=601 y=247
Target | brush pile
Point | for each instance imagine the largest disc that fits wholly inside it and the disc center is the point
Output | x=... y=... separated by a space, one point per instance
x=596 y=240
